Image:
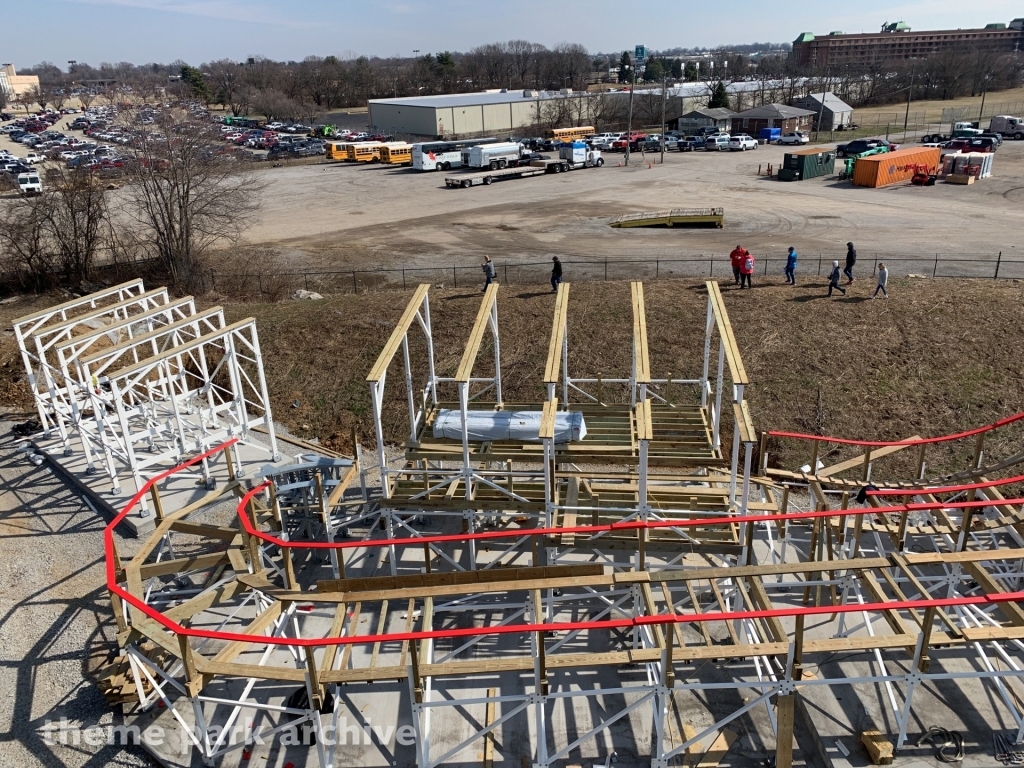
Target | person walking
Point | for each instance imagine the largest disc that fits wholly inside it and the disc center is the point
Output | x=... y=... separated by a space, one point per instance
x=736 y=258
x=488 y=268
x=747 y=270
x=791 y=266
x=851 y=259
x=833 y=280
x=556 y=274
x=883 y=279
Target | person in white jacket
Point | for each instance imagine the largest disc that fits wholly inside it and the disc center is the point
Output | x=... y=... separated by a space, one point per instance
x=883 y=279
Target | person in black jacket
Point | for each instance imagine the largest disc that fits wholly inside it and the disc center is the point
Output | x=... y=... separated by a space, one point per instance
x=556 y=273
x=851 y=259
x=833 y=280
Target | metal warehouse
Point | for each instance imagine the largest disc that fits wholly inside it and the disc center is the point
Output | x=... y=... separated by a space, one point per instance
x=463 y=114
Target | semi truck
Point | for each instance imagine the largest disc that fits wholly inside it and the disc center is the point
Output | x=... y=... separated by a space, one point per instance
x=1007 y=126
x=958 y=131
x=493 y=156
x=570 y=157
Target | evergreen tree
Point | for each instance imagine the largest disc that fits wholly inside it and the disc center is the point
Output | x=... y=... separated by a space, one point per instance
x=625 y=68
x=719 y=97
x=195 y=81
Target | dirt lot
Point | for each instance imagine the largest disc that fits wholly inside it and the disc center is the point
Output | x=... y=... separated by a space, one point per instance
x=344 y=216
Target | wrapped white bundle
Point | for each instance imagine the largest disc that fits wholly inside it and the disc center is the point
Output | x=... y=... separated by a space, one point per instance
x=508 y=425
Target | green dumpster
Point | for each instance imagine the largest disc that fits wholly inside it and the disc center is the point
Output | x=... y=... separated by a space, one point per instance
x=807 y=164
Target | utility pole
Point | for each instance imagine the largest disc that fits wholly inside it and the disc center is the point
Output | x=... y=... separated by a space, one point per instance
x=910 y=93
x=664 y=98
x=984 y=90
x=629 y=121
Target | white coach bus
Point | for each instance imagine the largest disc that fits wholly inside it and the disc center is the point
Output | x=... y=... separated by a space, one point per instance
x=442 y=155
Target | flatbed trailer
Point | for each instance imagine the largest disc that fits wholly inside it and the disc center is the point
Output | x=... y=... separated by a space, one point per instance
x=535 y=168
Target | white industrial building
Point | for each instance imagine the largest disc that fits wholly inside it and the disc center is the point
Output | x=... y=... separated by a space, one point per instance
x=504 y=112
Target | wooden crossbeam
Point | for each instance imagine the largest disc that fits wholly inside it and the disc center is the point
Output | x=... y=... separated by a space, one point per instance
x=476 y=336
x=551 y=369
x=858 y=461
x=395 y=341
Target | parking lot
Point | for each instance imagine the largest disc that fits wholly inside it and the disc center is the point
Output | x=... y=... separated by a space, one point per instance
x=365 y=216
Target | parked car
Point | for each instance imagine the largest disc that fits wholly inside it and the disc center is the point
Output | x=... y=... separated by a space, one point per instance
x=717 y=143
x=33 y=157
x=863 y=145
x=794 y=137
x=742 y=142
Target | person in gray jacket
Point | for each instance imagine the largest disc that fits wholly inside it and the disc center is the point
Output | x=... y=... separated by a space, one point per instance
x=883 y=279
x=488 y=268
x=834 y=278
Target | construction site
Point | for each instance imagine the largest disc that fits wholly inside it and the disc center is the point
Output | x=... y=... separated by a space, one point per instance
x=618 y=571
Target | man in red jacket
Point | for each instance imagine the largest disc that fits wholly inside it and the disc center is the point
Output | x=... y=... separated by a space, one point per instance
x=739 y=253
x=747 y=270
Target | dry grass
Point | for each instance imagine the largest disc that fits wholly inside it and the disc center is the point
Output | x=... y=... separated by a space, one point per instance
x=938 y=357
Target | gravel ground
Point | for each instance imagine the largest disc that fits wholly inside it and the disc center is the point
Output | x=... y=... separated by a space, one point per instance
x=55 y=623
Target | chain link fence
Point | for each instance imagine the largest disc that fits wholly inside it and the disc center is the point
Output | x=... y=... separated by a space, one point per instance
x=274 y=286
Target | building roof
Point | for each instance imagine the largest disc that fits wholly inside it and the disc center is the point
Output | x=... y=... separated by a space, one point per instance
x=443 y=101
x=832 y=102
x=805 y=37
x=716 y=113
x=775 y=111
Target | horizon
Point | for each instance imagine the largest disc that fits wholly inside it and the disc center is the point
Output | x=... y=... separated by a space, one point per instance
x=199 y=31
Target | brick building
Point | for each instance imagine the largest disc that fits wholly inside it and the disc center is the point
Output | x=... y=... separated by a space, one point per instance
x=771 y=116
x=898 y=41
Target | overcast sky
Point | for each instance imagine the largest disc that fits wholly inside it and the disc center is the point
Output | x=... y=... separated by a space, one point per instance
x=143 y=31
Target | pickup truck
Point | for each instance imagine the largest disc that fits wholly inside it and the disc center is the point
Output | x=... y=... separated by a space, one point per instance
x=621 y=143
x=691 y=143
x=859 y=146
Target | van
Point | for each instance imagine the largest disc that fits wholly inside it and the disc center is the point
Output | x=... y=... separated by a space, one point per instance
x=29 y=184
x=717 y=143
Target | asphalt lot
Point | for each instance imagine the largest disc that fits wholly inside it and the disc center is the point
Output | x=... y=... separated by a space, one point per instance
x=357 y=216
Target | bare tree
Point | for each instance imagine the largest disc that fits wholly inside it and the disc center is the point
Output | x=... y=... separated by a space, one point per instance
x=26 y=258
x=186 y=198
x=76 y=215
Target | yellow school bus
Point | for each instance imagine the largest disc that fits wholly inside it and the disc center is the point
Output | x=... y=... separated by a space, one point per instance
x=400 y=154
x=369 y=151
x=337 y=150
x=569 y=134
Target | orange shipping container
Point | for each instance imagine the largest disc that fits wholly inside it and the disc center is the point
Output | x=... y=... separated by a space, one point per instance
x=894 y=167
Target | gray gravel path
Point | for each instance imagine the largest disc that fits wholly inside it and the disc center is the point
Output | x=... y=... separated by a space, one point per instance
x=54 y=615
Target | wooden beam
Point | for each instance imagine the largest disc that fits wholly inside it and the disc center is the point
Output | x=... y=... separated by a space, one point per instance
x=476 y=336
x=732 y=356
x=742 y=415
x=551 y=369
x=644 y=423
x=395 y=341
x=640 y=352
x=547 y=420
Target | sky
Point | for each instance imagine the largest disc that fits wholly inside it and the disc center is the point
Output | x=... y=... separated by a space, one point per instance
x=196 y=31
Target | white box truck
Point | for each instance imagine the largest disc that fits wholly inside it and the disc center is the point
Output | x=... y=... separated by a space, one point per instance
x=1009 y=127
x=493 y=156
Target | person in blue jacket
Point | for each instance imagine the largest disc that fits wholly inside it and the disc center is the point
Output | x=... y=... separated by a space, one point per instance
x=791 y=266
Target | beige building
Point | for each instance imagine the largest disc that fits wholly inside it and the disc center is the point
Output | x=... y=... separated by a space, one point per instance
x=14 y=84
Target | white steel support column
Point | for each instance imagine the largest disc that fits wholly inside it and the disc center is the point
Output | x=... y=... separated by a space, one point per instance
x=497 y=352
x=467 y=470
x=718 y=392
x=411 y=402
x=709 y=325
